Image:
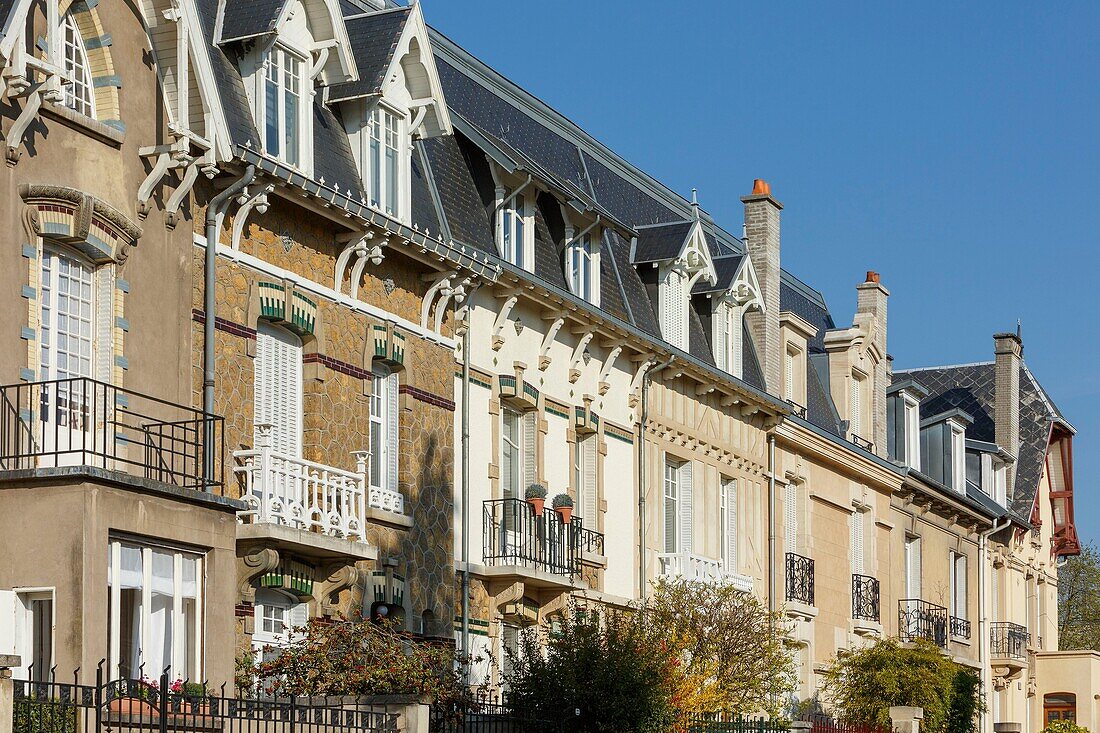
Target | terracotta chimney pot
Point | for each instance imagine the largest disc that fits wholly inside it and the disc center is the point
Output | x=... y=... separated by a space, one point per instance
x=873 y=277
x=761 y=187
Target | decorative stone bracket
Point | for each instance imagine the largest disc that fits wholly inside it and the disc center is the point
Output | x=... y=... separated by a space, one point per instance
x=100 y=231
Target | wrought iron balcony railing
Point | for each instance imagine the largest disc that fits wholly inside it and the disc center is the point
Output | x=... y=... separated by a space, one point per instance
x=800 y=579
x=863 y=443
x=513 y=534
x=84 y=422
x=865 y=598
x=919 y=619
x=797 y=409
x=1008 y=640
x=588 y=540
x=960 y=628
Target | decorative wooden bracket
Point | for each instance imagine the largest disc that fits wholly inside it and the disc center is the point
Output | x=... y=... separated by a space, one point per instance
x=578 y=354
x=502 y=318
x=249 y=200
x=605 y=370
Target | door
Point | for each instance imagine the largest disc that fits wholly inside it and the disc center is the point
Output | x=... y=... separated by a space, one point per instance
x=66 y=353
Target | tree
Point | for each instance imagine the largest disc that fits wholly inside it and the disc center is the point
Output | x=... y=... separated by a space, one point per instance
x=1079 y=601
x=1064 y=726
x=599 y=671
x=731 y=655
x=357 y=658
x=864 y=684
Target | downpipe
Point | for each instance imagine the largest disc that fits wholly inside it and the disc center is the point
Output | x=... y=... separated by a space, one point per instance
x=983 y=631
x=771 y=523
x=214 y=209
x=465 y=438
x=646 y=379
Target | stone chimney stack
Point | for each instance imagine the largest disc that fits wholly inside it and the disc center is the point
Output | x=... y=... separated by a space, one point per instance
x=1009 y=352
x=871 y=300
x=762 y=245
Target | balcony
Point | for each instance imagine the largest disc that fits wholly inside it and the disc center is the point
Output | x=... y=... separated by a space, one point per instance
x=1008 y=641
x=513 y=535
x=80 y=422
x=285 y=490
x=960 y=628
x=919 y=619
x=865 y=598
x=800 y=579
x=697 y=568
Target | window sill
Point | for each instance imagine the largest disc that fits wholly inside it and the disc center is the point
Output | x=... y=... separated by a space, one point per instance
x=81 y=123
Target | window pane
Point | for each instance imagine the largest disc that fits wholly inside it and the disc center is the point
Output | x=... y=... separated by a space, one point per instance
x=41 y=638
x=272 y=138
x=391 y=180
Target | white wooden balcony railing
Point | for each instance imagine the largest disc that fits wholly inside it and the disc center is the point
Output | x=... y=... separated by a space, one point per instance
x=291 y=491
x=702 y=569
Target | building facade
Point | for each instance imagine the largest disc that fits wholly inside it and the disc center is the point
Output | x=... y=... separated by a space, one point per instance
x=307 y=299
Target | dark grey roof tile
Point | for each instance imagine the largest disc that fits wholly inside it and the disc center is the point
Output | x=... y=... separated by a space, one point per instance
x=332 y=158
x=373 y=40
x=726 y=268
x=791 y=299
x=466 y=217
x=231 y=91
x=246 y=19
x=661 y=242
x=425 y=217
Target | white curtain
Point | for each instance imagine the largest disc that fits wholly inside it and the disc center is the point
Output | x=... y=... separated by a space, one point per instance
x=159 y=654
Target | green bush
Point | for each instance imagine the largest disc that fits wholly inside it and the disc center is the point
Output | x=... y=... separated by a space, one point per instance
x=608 y=672
x=1064 y=726
x=864 y=684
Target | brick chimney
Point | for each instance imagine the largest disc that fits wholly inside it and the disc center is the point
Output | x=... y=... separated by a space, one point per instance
x=871 y=300
x=1009 y=352
x=762 y=245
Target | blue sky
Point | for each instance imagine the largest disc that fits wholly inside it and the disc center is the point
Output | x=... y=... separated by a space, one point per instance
x=954 y=148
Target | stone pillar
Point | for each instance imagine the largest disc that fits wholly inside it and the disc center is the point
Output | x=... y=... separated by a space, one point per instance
x=7 y=710
x=762 y=246
x=871 y=299
x=1009 y=352
x=801 y=726
x=905 y=719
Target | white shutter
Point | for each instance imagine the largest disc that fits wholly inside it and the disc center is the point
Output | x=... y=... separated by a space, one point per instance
x=393 y=433
x=729 y=514
x=736 y=341
x=530 y=434
x=687 y=543
x=995 y=592
x=588 y=476
x=788 y=367
x=958 y=570
x=790 y=517
x=278 y=387
x=721 y=341
x=857 y=542
x=855 y=424
x=912 y=568
x=672 y=309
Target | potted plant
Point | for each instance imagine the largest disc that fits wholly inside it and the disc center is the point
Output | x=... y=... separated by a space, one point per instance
x=536 y=497
x=134 y=698
x=563 y=505
x=195 y=695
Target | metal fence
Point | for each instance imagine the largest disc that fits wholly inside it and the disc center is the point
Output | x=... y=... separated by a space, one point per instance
x=725 y=722
x=919 y=619
x=84 y=422
x=826 y=724
x=865 y=597
x=800 y=579
x=1008 y=640
x=515 y=535
x=129 y=706
x=487 y=718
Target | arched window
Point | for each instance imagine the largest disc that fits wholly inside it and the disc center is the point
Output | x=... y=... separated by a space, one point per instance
x=79 y=94
x=66 y=315
x=278 y=387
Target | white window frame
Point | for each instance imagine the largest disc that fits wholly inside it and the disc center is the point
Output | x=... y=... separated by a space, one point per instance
x=24 y=631
x=671 y=503
x=51 y=335
x=284 y=612
x=582 y=267
x=913 y=580
x=585 y=478
x=727 y=512
x=277 y=54
x=790 y=373
x=78 y=89
x=524 y=448
x=385 y=155
x=912 y=431
x=516 y=230
x=958 y=456
x=384 y=417
x=179 y=650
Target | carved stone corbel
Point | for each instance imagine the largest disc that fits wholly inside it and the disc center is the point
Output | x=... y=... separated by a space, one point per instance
x=251 y=566
x=509 y=594
x=339 y=576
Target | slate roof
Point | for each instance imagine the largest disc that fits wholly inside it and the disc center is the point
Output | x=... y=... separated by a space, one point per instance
x=234 y=101
x=971 y=388
x=374 y=40
x=726 y=268
x=332 y=158
x=661 y=242
x=249 y=18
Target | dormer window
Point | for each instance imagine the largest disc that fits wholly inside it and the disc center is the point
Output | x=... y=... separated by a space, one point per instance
x=958 y=457
x=384 y=160
x=734 y=292
x=583 y=258
x=515 y=232
x=903 y=441
x=943 y=448
x=856 y=402
x=283 y=108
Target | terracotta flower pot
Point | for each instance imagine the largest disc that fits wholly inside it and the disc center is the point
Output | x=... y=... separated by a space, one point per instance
x=538 y=504
x=566 y=513
x=131 y=706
